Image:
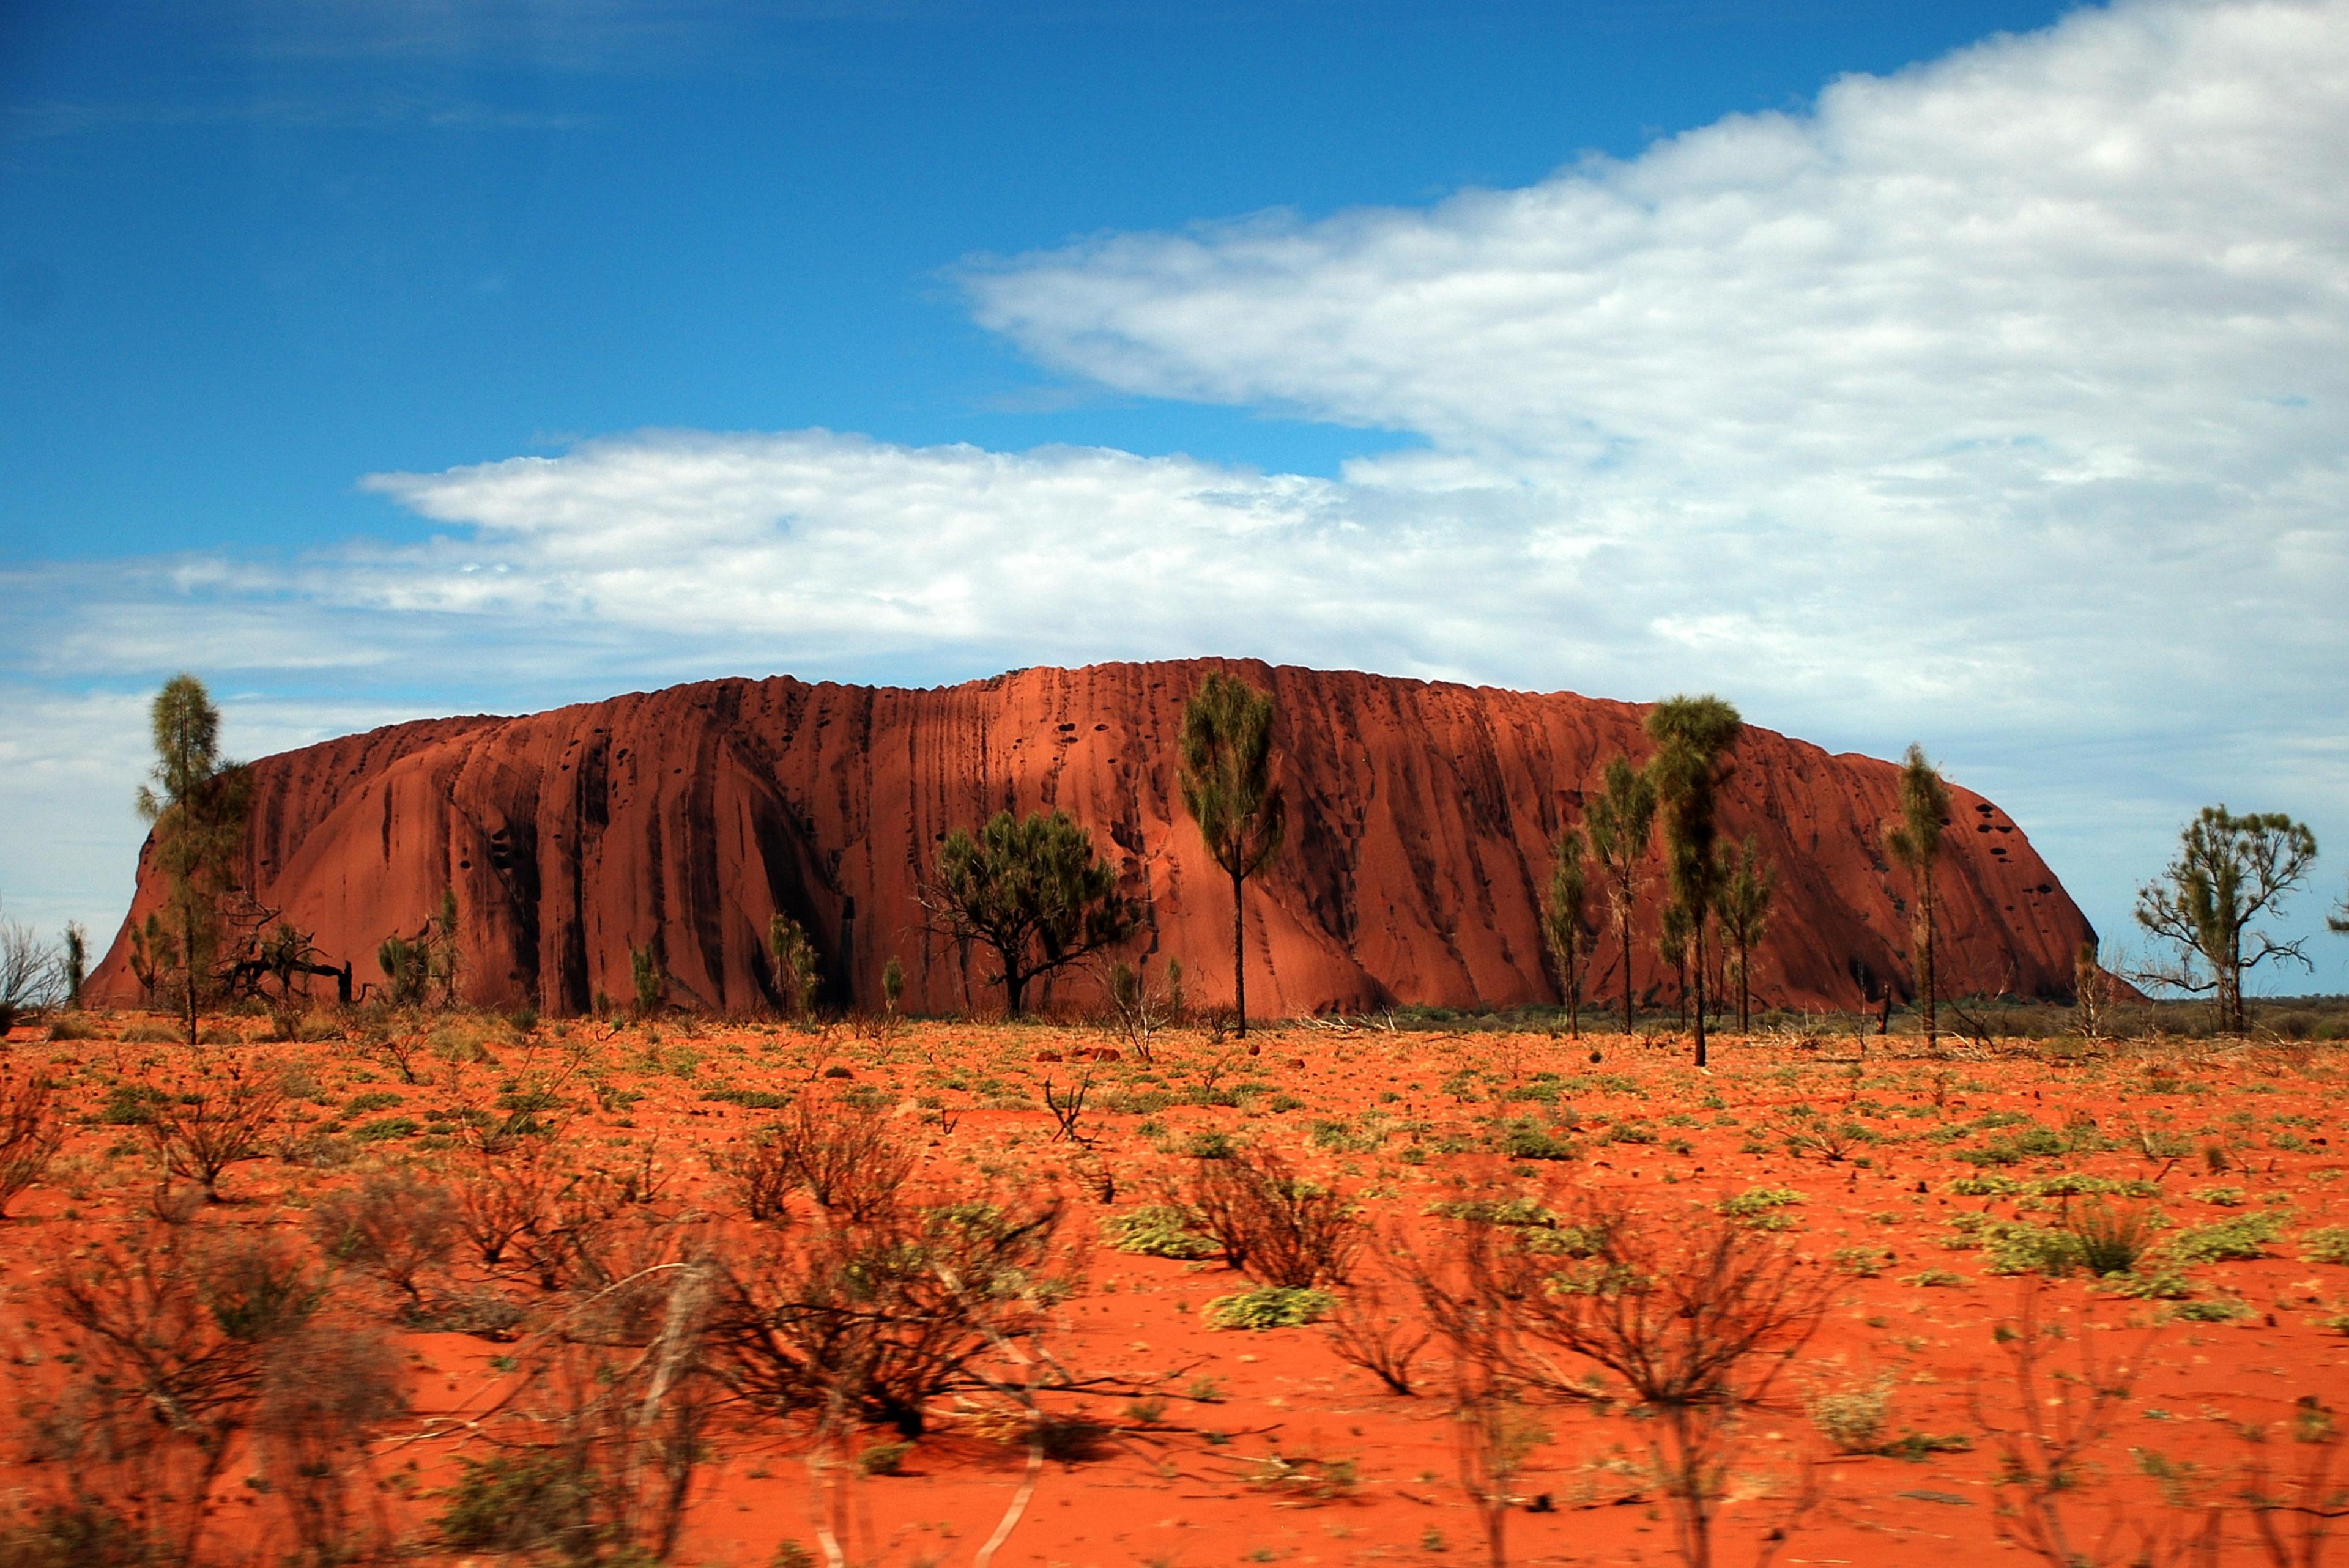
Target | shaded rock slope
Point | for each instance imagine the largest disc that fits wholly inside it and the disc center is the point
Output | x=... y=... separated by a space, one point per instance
x=1421 y=817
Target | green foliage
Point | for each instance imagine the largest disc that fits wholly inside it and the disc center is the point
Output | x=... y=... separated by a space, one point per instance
x=2235 y=1239
x=195 y=807
x=1915 y=842
x=892 y=985
x=1213 y=1143
x=75 y=963
x=1757 y=1208
x=1158 y=1230
x=2327 y=1245
x=1853 y=1416
x=1522 y=1211
x=1565 y=922
x=1691 y=736
x=1621 y=820
x=887 y=1457
x=2109 y=1240
x=798 y=973
x=407 y=969
x=1526 y=1139
x=82 y=1534
x=1269 y=1306
x=2016 y=1246
x=2221 y=1310
x=1228 y=787
x=1033 y=889
x=1742 y=904
x=2230 y=872
x=523 y=1502
x=645 y=973
x=1862 y=1263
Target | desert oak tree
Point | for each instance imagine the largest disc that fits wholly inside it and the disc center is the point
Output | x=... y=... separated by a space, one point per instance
x=1228 y=789
x=2230 y=872
x=1565 y=922
x=1915 y=841
x=1620 y=821
x=1692 y=735
x=195 y=808
x=1033 y=889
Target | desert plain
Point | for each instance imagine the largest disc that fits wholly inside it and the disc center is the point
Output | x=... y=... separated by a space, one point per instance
x=1934 y=1208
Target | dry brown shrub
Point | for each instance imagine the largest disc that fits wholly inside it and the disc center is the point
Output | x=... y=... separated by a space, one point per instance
x=396 y=1225
x=30 y=1130
x=217 y=1115
x=1272 y=1224
x=887 y=1313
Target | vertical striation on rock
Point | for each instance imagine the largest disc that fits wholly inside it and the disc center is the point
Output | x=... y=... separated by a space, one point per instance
x=1422 y=817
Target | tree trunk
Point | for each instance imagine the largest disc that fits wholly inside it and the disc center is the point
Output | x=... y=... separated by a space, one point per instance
x=1014 y=987
x=1697 y=936
x=1573 y=996
x=1925 y=902
x=1623 y=919
x=1744 y=991
x=1240 y=952
x=188 y=969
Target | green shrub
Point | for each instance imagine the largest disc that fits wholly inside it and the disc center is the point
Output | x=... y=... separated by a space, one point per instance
x=1493 y=1212
x=2016 y=1246
x=2220 y=1311
x=1157 y=1231
x=2327 y=1245
x=1527 y=1140
x=1863 y=1262
x=752 y=1098
x=1269 y=1306
x=884 y=1458
x=2234 y=1239
x=73 y=1027
x=1757 y=1208
x=2109 y=1240
x=521 y=1502
x=384 y=1128
x=76 y=1536
x=129 y=1105
x=374 y=1099
x=1853 y=1416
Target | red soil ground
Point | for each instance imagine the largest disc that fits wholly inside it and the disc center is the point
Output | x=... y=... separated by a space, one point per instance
x=1230 y=1447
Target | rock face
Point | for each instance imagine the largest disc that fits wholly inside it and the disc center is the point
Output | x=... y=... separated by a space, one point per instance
x=1421 y=817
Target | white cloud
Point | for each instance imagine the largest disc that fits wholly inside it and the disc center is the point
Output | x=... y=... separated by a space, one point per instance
x=1998 y=402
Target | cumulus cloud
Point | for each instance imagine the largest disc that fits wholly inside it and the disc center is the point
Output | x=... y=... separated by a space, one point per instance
x=1999 y=402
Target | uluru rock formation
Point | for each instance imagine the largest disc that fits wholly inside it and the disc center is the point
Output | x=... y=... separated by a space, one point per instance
x=1420 y=820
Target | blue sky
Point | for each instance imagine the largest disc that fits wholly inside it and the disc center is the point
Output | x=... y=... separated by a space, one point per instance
x=1899 y=379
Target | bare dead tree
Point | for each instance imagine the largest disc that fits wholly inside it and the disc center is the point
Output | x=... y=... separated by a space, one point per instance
x=219 y=1115
x=1273 y=1225
x=2293 y=1518
x=31 y=1131
x=1697 y=1317
x=2059 y=1416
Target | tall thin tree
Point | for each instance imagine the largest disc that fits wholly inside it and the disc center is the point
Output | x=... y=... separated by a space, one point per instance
x=1692 y=735
x=195 y=808
x=1743 y=906
x=1915 y=841
x=1228 y=789
x=1565 y=923
x=1621 y=820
